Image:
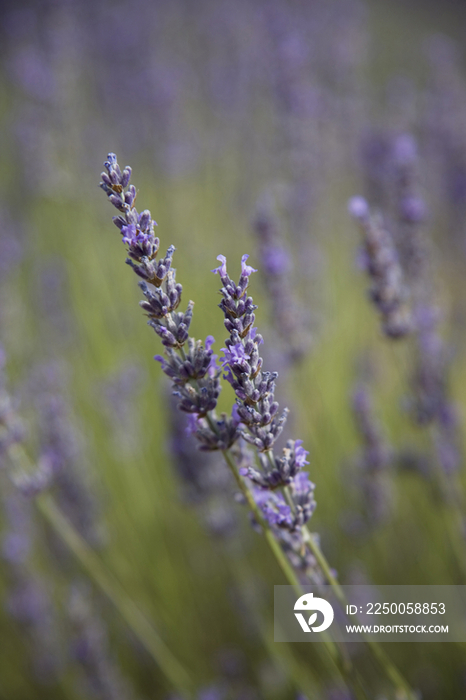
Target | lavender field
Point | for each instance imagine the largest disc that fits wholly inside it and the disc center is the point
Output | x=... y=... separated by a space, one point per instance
x=272 y=389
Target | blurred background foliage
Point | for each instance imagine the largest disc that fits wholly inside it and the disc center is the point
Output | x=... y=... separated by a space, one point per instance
x=214 y=104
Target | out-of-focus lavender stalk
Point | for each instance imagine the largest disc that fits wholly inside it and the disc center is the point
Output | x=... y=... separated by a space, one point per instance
x=373 y=460
x=433 y=409
x=60 y=450
x=289 y=320
x=11 y=427
x=388 y=292
x=410 y=211
x=90 y=648
x=28 y=599
x=430 y=404
x=119 y=393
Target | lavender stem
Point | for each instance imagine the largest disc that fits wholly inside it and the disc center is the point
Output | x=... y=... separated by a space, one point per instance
x=342 y=663
x=391 y=670
x=385 y=662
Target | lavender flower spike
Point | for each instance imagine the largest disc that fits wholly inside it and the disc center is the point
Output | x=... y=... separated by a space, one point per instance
x=189 y=363
x=259 y=412
x=289 y=318
x=388 y=292
x=254 y=388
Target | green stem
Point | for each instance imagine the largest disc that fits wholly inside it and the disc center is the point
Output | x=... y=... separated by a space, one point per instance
x=340 y=662
x=390 y=669
x=302 y=679
x=274 y=545
x=339 y=659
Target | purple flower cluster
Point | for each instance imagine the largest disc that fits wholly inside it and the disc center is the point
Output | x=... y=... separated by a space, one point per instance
x=285 y=469
x=189 y=363
x=259 y=412
x=254 y=388
x=193 y=370
x=279 y=513
x=281 y=489
x=388 y=291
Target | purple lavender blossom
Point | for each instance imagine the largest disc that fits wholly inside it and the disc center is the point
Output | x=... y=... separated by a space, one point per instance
x=275 y=509
x=193 y=372
x=258 y=410
x=286 y=467
x=358 y=207
x=301 y=558
x=388 y=291
x=242 y=362
x=302 y=493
